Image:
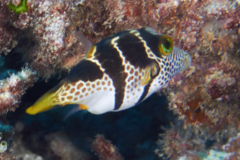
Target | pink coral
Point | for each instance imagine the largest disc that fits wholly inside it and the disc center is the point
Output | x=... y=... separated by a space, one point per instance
x=181 y=140
x=105 y=150
x=55 y=37
x=50 y=29
x=12 y=89
x=61 y=146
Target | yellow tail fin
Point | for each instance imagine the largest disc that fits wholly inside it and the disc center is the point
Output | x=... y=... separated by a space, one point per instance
x=46 y=102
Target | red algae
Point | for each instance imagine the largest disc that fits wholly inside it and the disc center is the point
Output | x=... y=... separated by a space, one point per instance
x=105 y=150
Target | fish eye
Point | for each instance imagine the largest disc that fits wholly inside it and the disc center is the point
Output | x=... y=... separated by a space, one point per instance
x=165 y=45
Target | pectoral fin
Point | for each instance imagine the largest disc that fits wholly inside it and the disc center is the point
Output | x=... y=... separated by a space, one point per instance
x=147 y=77
x=150 y=73
x=75 y=110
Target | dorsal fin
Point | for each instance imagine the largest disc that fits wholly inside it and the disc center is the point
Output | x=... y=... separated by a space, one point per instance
x=87 y=44
x=150 y=30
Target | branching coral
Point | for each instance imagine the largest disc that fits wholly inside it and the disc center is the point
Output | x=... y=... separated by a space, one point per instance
x=105 y=150
x=12 y=89
x=62 y=147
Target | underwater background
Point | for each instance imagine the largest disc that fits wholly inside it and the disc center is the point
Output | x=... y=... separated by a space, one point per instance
x=196 y=117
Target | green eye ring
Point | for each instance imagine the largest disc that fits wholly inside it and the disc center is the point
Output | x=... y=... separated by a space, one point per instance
x=165 y=45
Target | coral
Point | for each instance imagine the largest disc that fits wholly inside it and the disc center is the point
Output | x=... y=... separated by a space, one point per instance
x=233 y=148
x=12 y=89
x=3 y=146
x=54 y=26
x=212 y=154
x=183 y=147
x=179 y=141
x=61 y=146
x=105 y=150
x=104 y=18
x=53 y=145
x=189 y=143
x=54 y=43
x=206 y=96
x=6 y=133
x=8 y=34
x=56 y=39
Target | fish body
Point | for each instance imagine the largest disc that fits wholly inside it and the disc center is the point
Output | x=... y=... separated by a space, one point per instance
x=118 y=72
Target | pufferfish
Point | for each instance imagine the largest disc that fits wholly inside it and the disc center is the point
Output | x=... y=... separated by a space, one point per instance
x=117 y=73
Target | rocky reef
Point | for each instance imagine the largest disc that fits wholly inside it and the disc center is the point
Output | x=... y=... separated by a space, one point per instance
x=44 y=39
x=207 y=96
